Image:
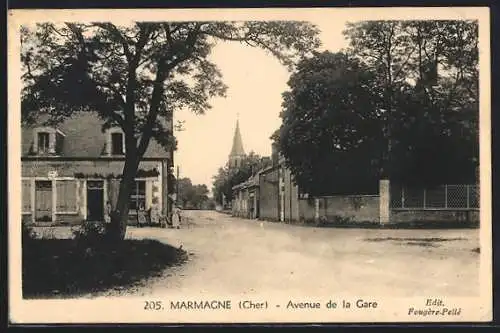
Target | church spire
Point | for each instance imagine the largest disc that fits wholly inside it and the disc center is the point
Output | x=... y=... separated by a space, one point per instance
x=237 y=151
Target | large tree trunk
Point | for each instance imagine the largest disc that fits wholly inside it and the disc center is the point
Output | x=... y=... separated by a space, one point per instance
x=119 y=216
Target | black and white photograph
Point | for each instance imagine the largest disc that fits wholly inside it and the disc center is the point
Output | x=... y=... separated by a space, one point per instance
x=250 y=165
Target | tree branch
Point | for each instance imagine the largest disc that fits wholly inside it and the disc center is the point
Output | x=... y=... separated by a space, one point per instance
x=116 y=33
x=163 y=70
x=404 y=63
x=117 y=94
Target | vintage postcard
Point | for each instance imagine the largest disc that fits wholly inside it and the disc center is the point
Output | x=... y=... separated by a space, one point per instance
x=320 y=165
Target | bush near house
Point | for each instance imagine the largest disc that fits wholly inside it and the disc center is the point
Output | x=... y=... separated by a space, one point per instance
x=88 y=263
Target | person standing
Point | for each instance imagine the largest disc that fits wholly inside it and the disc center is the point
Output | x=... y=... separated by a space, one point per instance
x=154 y=214
x=141 y=216
x=176 y=217
x=107 y=212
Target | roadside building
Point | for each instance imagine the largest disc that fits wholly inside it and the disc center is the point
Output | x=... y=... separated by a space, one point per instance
x=270 y=194
x=71 y=171
x=246 y=198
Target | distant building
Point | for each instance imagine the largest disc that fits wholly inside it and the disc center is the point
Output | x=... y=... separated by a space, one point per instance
x=71 y=171
x=270 y=194
x=246 y=198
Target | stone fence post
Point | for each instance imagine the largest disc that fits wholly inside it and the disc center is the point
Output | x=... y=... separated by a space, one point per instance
x=385 y=201
x=316 y=210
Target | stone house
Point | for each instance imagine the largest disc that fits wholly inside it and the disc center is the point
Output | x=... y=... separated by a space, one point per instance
x=270 y=194
x=246 y=198
x=71 y=171
x=278 y=193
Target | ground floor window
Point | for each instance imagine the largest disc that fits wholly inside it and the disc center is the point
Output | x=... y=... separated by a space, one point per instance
x=43 y=200
x=64 y=200
x=66 y=196
x=138 y=196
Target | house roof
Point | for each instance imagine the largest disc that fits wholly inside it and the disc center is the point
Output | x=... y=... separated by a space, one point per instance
x=250 y=182
x=237 y=149
x=83 y=137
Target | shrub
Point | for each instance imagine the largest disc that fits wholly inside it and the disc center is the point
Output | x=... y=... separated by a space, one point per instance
x=89 y=232
x=28 y=233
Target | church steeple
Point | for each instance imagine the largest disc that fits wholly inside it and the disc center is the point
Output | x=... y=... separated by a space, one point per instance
x=237 y=151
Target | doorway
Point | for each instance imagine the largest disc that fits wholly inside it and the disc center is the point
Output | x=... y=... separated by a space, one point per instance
x=43 y=201
x=95 y=200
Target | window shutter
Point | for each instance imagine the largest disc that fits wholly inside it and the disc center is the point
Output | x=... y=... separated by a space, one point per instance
x=66 y=196
x=26 y=195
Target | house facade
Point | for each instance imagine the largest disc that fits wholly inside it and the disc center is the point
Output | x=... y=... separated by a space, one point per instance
x=279 y=195
x=71 y=171
x=246 y=199
x=270 y=194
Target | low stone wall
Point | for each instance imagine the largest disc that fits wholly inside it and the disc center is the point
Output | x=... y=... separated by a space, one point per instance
x=348 y=208
x=421 y=215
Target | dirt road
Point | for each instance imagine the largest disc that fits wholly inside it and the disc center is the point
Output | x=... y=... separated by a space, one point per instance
x=230 y=255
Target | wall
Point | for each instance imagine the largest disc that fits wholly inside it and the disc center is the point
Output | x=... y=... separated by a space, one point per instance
x=33 y=168
x=358 y=208
x=291 y=198
x=269 y=196
x=460 y=216
x=239 y=205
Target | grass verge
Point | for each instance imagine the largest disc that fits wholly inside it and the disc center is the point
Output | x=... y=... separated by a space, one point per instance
x=65 y=268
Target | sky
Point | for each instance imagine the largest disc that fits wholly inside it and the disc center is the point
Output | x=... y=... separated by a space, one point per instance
x=255 y=81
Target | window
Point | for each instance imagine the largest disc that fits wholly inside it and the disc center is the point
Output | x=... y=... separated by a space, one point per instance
x=138 y=196
x=66 y=196
x=59 y=143
x=48 y=140
x=117 y=144
x=43 y=142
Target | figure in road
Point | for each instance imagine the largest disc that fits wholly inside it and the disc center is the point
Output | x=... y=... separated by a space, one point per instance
x=176 y=217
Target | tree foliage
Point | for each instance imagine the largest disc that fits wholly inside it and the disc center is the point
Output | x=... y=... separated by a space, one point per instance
x=331 y=125
x=192 y=196
x=227 y=177
x=136 y=76
x=402 y=102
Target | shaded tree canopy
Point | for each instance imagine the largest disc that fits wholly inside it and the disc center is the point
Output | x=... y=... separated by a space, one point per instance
x=136 y=76
x=331 y=125
x=401 y=102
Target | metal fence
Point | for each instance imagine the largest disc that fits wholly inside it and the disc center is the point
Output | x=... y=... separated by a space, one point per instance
x=439 y=197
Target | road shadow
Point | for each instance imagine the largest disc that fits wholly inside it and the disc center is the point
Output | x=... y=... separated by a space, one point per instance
x=416 y=241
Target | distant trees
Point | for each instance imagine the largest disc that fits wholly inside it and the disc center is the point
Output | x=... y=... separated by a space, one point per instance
x=192 y=196
x=227 y=177
x=380 y=109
